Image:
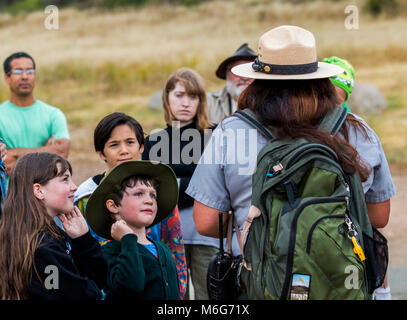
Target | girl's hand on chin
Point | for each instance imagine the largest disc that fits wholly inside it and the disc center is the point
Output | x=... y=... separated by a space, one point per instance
x=74 y=223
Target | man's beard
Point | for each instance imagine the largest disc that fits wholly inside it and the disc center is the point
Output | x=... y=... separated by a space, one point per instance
x=235 y=90
x=23 y=93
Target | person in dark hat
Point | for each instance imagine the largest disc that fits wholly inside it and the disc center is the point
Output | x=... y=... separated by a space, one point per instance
x=223 y=102
x=135 y=195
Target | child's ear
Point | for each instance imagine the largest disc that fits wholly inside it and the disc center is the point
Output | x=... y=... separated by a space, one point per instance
x=113 y=209
x=101 y=155
x=38 y=192
x=111 y=206
x=141 y=148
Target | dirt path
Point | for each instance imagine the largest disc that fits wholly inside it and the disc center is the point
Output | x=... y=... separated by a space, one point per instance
x=396 y=230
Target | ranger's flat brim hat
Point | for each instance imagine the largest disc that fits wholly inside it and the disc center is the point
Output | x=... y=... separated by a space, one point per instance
x=287 y=53
x=96 y=212
x=242 y=53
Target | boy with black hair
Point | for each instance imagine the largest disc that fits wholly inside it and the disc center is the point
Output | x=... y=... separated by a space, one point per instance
x=119 y=138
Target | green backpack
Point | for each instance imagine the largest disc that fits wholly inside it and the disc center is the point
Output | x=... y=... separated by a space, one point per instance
x=312 y=238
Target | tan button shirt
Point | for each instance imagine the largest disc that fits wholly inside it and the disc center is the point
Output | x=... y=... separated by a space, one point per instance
x=219 y=105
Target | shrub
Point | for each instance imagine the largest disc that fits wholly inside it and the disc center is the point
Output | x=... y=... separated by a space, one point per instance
x=376 y=7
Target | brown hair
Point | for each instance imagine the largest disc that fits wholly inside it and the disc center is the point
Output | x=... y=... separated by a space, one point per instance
x=194 y=85
x=293 y=108
x=25 y=221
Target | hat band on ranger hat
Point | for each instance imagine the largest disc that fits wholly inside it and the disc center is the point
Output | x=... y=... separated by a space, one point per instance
x=263 y=67
x=287 y=53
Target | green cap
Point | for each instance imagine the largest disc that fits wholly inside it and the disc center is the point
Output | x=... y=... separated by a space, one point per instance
x=345 y=80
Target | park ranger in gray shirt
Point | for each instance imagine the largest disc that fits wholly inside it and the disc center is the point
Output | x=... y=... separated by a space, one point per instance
x=223 y=177
x=291 y=89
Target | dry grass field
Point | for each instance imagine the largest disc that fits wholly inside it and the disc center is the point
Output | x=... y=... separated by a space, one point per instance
x=102 y=61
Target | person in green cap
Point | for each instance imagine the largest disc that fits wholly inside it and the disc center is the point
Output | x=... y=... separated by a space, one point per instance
x=343 y=82
x=135 y=195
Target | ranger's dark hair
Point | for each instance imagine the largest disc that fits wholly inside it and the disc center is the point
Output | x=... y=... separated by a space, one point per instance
x=293 y=108
x=16 y=55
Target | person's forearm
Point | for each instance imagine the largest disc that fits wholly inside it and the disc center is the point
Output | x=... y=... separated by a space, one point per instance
x=207 y=220
x=59 y=147
x=3 y=151
x=379 y=213
x=14 y=154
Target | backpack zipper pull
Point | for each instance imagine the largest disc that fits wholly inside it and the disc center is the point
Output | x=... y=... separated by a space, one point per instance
x=352 y=233
x=358 y=249
x=351 y=228
x=275 y=170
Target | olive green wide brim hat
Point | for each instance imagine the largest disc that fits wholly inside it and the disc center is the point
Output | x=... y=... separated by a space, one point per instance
x=96 y=212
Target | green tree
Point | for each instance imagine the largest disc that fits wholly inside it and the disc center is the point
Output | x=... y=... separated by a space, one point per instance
x=376 y=7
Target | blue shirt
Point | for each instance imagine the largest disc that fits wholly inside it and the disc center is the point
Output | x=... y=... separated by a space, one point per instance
x=2 y=184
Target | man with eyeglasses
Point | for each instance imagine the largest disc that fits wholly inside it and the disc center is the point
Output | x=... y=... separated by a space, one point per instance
x=28 y=124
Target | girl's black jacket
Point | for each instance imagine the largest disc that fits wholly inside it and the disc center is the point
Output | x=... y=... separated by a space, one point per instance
x=173 y=146
x=72 y=269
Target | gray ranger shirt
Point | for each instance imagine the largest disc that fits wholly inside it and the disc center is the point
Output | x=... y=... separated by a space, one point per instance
x=223 y=176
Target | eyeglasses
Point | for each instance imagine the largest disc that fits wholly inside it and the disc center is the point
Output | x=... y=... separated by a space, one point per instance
x=19 y=72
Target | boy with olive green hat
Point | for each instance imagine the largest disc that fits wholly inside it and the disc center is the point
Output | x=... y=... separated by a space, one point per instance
x=133 y=196
x=343 y=82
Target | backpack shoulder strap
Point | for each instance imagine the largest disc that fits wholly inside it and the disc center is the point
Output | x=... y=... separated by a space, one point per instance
x=333 y=121
x=249 y=117
x=254 y=213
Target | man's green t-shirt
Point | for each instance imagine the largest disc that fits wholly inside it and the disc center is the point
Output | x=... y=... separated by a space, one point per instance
x=31 y=127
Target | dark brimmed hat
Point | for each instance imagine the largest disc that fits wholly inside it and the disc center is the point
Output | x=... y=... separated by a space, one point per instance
x=96 y=212
x=243 y=53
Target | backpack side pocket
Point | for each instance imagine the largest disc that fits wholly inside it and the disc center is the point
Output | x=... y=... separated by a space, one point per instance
x=377 y=259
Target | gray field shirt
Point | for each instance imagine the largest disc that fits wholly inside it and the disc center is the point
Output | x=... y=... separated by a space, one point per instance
x=223 y=176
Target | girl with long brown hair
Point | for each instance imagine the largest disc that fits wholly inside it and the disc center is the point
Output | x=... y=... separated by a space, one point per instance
x=38 y=260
